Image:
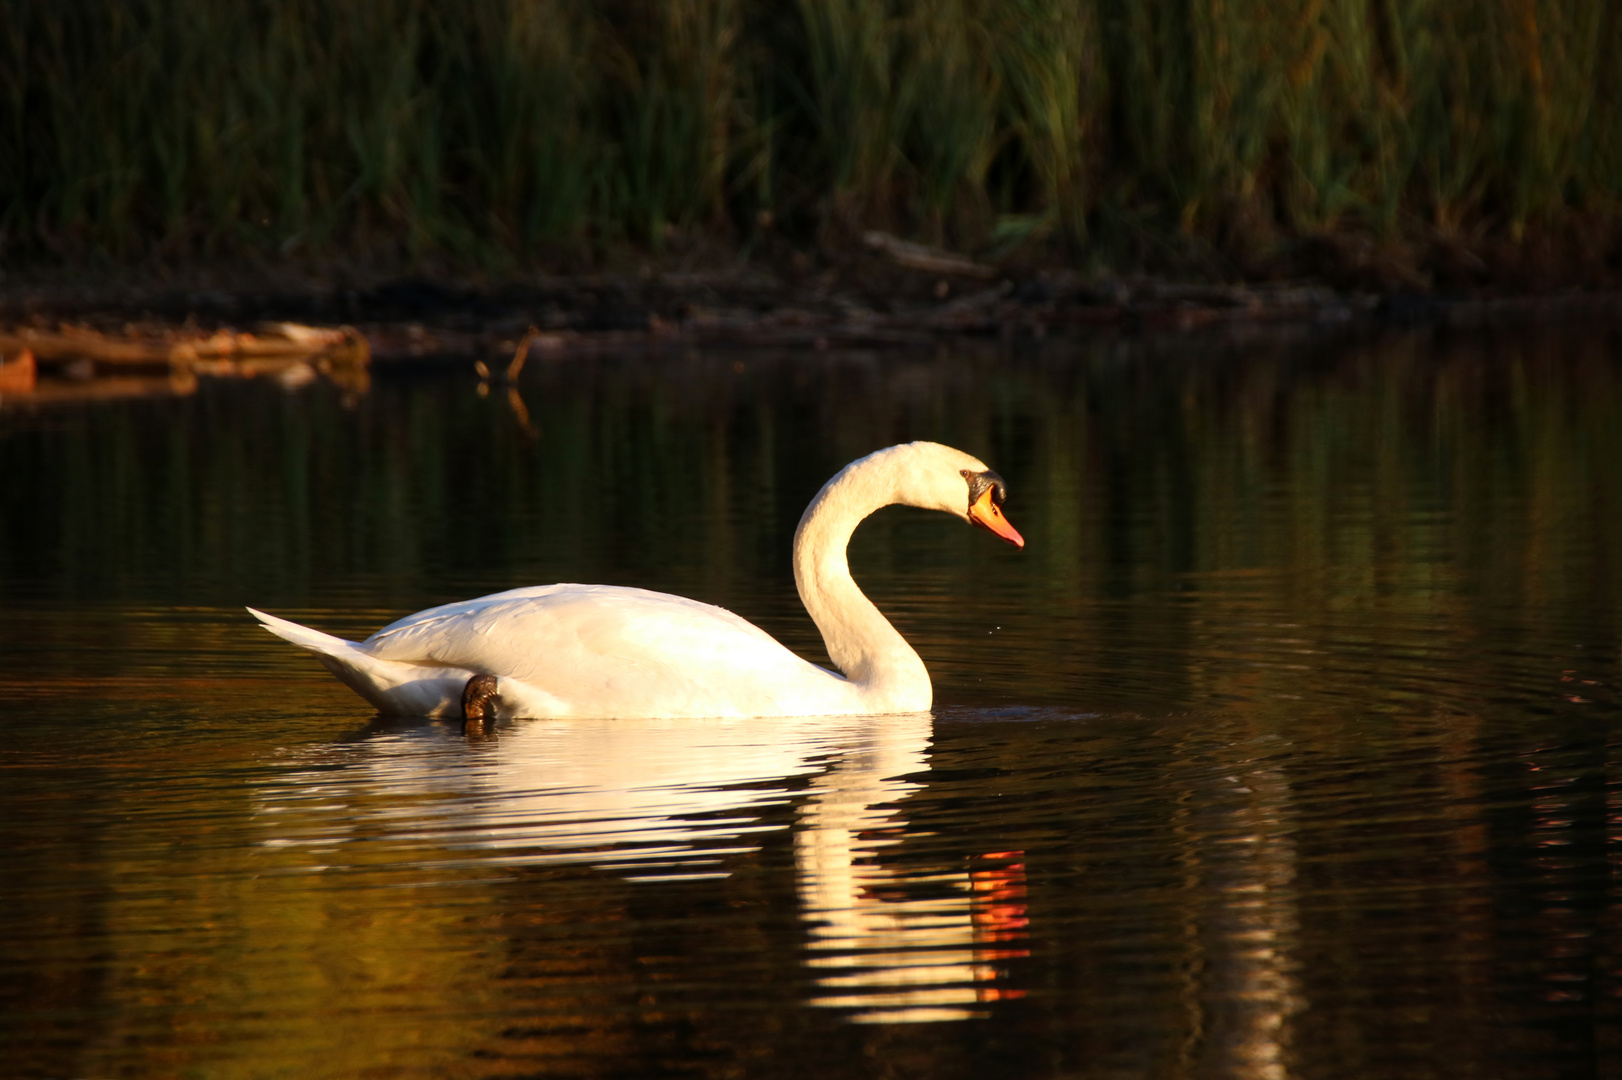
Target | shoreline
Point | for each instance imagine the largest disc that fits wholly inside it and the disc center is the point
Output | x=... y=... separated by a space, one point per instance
x=68 y=341
x=874 y=303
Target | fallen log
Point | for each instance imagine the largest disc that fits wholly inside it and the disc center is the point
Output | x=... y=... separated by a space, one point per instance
x=286 y=341
x=921 y=257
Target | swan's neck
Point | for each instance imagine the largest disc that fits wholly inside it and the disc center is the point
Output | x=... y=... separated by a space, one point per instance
x=877 y=660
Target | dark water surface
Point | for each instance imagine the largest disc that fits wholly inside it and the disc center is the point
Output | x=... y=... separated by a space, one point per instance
x=1290 y=745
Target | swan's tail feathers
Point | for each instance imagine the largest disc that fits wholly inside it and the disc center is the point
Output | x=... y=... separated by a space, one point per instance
x=395 y=688
x=305 y=638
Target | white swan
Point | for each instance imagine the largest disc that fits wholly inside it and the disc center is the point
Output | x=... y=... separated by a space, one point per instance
x=611 y=651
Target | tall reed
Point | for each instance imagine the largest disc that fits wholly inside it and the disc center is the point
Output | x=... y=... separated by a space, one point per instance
x=504 y=133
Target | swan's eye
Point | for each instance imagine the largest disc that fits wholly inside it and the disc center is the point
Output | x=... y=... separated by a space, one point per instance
x=980 y=481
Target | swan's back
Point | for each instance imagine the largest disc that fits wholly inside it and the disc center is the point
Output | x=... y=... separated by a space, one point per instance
x=602 y=650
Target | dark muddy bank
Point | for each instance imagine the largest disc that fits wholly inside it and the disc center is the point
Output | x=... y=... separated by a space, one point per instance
x=900 y=296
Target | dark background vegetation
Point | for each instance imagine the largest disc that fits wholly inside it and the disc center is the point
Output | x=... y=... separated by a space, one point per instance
x=1408 y=144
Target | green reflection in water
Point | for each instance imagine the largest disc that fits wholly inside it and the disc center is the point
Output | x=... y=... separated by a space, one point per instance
x=1208 y=520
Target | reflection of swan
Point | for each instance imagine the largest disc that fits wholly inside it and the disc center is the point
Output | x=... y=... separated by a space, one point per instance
x=609 y=793
x=639 y=792
x=889 y=947
x=595 y=650
x=657 y=800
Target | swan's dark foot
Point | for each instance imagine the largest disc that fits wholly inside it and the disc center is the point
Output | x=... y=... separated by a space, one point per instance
x=475 y=697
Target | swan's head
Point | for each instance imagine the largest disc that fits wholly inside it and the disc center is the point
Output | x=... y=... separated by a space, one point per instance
x=938 y=477
x=987 y=490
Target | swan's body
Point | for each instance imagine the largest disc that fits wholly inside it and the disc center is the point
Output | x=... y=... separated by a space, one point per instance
x=602 y=650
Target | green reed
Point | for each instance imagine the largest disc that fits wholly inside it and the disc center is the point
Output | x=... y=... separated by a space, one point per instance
x=503 y=133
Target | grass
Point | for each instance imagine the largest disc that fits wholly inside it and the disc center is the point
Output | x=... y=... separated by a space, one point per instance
x=499 y=134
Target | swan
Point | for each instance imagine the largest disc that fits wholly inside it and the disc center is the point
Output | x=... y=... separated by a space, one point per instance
x=614 y=651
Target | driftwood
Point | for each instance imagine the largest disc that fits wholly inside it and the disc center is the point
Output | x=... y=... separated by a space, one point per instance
x=172 y=348
x=156 y=360
x=920 y=257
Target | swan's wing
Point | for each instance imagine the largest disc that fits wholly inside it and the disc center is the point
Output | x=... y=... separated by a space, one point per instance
x=599 y=643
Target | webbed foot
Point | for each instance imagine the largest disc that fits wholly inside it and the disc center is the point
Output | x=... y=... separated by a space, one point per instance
x=475 y=697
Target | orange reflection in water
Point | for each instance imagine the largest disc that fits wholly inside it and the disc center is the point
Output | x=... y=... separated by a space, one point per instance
x=894 y=943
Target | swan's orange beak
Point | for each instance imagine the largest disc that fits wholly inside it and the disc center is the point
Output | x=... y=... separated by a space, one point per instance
x=988 y=515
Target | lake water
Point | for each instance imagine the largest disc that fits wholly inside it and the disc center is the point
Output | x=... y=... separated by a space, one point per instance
x=1289 y=745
